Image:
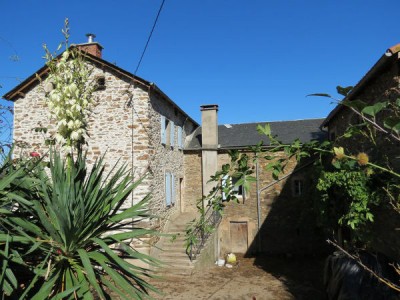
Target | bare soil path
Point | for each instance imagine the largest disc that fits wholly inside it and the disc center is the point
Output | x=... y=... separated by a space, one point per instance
x=252 y=278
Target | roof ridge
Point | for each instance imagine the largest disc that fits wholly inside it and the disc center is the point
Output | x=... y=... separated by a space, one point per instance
x=258 y=122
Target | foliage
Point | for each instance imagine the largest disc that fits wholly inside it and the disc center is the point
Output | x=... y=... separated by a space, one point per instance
x=359 y=174
x=64 y=230
x=6 y=112
x=69 y=92
x=72 y=234
x=353 y=179
x=224 y=190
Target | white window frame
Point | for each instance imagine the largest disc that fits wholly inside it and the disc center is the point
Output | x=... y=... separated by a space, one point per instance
x=240 y=189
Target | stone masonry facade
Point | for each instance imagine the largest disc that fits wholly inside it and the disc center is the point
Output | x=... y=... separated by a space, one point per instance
x=384 y=87
x=288 y=225
x=124 y=126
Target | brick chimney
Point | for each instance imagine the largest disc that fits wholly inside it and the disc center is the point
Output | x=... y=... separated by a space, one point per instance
x=91 y=47
x=209 y=136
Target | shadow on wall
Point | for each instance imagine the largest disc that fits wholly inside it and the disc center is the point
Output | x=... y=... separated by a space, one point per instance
x=290 y=224
x=290 y=245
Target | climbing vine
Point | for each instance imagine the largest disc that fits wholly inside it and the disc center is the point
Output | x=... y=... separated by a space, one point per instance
x=351 y=182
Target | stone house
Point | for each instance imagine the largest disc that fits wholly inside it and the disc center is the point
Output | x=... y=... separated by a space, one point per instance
x=133 y=122
x=380 y=83
x=280 y=220
x=136 y=123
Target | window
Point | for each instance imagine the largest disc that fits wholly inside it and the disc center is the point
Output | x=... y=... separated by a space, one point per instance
x=239 y=189
x=163 y=130
x=332 y=134
x=100 y=83
x=180 y=138
x=167 y=132
x=297 y=187
x=169 y=189
x=172 y=134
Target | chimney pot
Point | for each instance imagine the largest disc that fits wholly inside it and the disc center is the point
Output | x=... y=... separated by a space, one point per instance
x=209 y=107
x=91 y=37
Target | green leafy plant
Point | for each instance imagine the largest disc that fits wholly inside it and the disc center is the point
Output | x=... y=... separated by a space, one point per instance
x=65 y=228
x=224 y=190
x=73 y=237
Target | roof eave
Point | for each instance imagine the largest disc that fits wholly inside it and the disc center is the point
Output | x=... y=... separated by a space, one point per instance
x=42 y=72
x=159 y=91
x=385 y=59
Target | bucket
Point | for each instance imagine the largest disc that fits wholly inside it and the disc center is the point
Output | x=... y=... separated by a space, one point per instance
x=221 y=262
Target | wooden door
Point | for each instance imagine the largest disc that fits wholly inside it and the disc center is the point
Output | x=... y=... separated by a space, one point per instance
x=239 y=237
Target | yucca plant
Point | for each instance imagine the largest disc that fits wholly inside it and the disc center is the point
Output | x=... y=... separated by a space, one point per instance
x=73 y=234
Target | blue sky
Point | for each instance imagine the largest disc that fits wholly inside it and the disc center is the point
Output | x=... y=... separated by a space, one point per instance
x=256 y=59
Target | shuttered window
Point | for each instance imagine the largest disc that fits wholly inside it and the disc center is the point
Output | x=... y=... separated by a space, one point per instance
x=168 y=188
x=163 y=130
x=172 y=134
x=180 y=138
x=170 y=192
x=172 y=189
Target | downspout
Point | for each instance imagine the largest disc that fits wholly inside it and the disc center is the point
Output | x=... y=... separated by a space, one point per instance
x=258 y=204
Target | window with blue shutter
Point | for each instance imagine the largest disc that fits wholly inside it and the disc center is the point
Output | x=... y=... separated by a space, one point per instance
x=168 y=188
x=163 y=130
x=172 y=134
x=180 y=141
x=172 y=189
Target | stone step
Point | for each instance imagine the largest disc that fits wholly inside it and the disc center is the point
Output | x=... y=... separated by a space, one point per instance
x=176 y=260
x=176 y=242
x=173 y=248
x=172 y=252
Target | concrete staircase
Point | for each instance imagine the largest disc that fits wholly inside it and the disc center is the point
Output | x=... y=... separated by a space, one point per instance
x=170 y=250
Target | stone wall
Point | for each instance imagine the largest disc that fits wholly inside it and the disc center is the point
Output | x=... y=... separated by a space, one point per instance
x=386 y=86
x=193 y=181
x=288 y=223
x=166 y=158
x=382 y=88
x=125 y=127
x=114 y=130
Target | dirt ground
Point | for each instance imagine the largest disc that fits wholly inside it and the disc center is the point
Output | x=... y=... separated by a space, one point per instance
x=252 y=278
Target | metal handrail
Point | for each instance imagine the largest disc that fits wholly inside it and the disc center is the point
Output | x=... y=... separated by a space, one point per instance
x=212 y=219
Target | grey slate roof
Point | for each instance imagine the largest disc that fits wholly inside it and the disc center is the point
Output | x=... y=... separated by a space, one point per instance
x=241 y=135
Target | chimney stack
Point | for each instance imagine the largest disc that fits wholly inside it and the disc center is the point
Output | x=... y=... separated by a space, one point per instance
x=209 y=137
x=91 y=47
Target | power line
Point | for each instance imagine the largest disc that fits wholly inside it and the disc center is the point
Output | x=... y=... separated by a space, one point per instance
x=134 y=112
x=148 y=39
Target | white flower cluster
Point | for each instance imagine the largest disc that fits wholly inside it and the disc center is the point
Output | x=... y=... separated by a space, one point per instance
x=69 y=98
